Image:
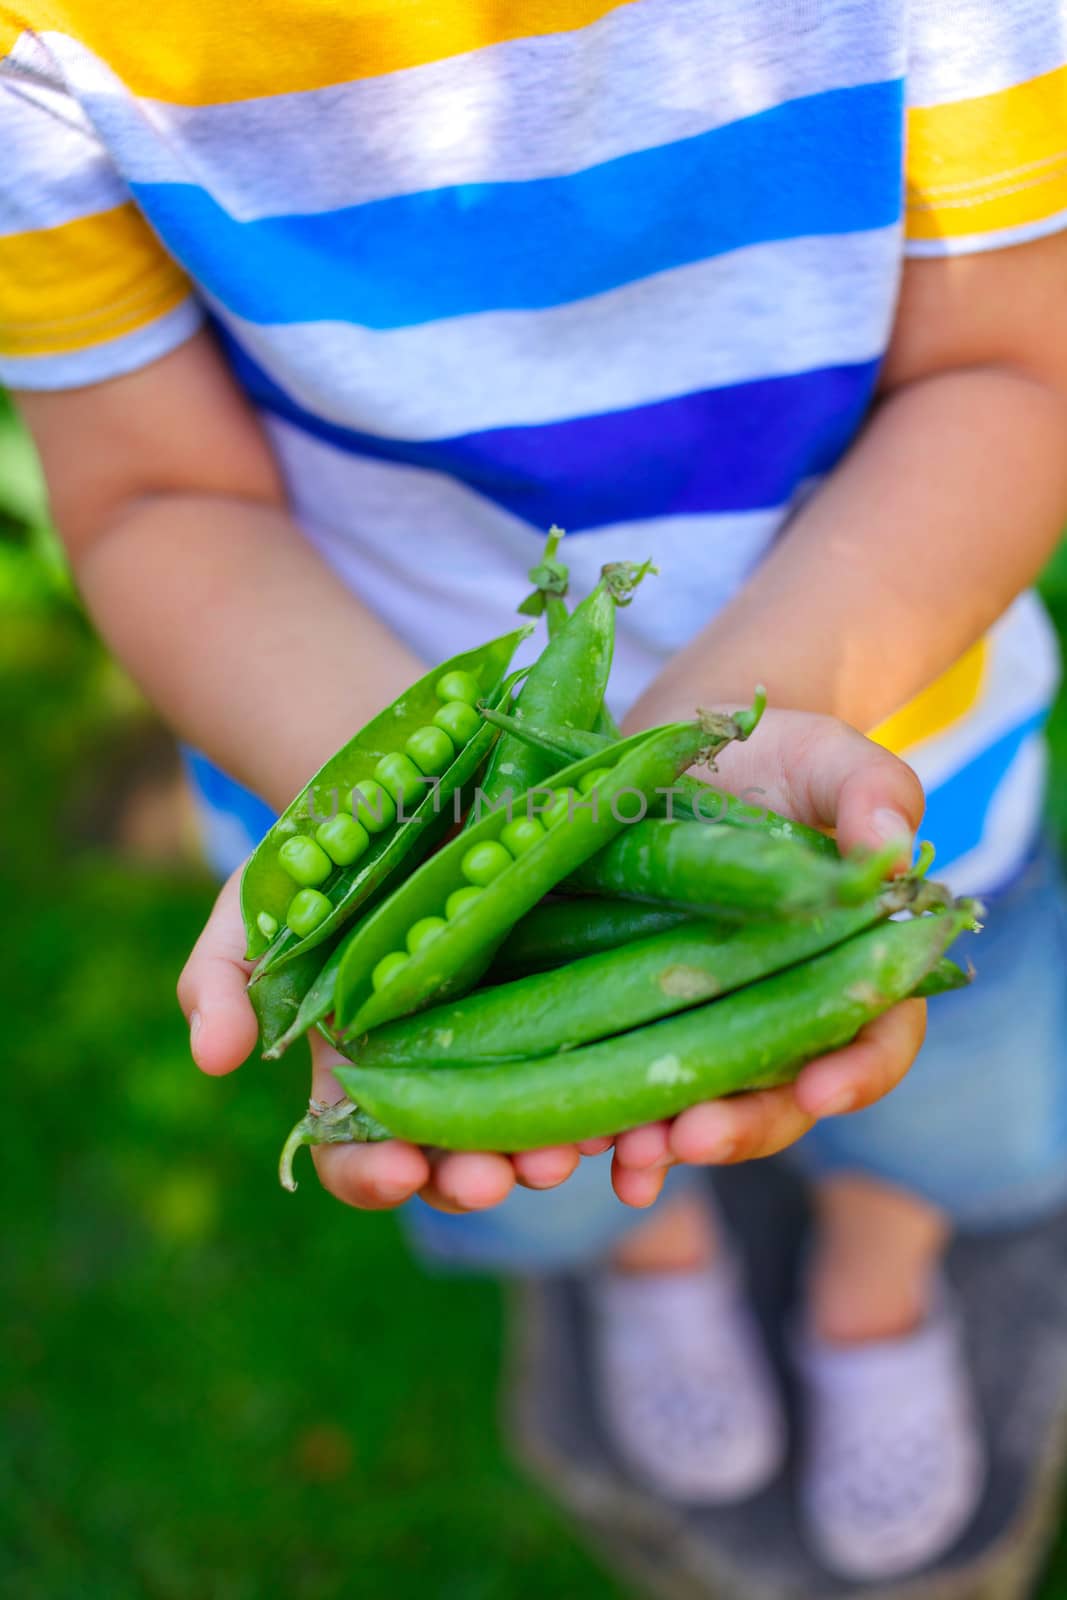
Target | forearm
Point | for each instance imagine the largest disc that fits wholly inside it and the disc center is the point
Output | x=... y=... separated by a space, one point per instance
x=947 y=506
x=237 y=631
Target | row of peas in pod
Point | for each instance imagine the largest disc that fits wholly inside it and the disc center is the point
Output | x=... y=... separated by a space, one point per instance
x=397 y=785
x=481 y=864
x=607 y=938
x=374 y=809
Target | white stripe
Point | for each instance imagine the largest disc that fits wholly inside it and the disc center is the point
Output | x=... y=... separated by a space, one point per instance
x=667 y=335
x=445 y=568
x=961 y=49
x=111 y=359
x=526 y=108
x=1011 y=824
x=54 y=168
x=971 y=243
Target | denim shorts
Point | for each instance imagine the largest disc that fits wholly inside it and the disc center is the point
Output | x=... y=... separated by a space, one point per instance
x=978 y=1127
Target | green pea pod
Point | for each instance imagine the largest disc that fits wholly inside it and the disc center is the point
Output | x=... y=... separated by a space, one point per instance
x=565 y=684
x=345 y=1123
x=278 y=996
x=725 y=872
x=753 y=1039
x=692 y=797
x=558 y=931
x=293 y=996
x=267 y=888
x=615 y=991
x=552 y=578
x=454 y=958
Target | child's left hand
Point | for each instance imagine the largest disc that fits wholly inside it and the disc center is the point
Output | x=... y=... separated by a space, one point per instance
x=810 y=767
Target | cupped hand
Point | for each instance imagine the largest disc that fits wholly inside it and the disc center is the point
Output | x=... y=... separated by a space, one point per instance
x=810 y=767
x=213 y=994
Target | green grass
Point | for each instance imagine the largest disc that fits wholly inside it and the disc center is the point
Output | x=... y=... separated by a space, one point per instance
x=211 y=1390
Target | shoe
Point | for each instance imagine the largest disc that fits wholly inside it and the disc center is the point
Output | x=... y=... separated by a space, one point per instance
x=893 y=1461
x=685 y=1386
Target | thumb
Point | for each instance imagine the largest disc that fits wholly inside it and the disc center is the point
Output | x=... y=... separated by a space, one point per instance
x=213 y=988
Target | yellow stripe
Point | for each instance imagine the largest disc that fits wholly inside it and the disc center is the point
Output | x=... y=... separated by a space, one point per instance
x=998 y=161
x=938 y=706
x=82 y=283
x=198 y=52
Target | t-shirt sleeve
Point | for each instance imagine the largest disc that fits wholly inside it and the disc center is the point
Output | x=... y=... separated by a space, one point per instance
x=86 y=290
x=986 y=149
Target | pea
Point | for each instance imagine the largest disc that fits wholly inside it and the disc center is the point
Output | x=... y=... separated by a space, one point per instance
x=399 y=774
x=307 y=909
x=460 y=899
x=373 y=806
x=423 y=931
x=305 y=861
x=459 y=720
x=267 y=925
x=343 y=839
x=522 y=834
x=484 y=862
x=431 y=750
x=459 y=685
x=590 y=780
x=562 y=808
x=387 y=969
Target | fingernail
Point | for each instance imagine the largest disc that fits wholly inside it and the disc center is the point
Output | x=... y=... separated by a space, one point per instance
x=844 y=1100
x=890 y=826
x=194 y=1029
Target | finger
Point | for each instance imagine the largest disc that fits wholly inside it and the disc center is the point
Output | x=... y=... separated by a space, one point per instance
x=742 y=1128
x=469 y=1180
x=373 y=1177
x=213 y=988
x=840 y=779
x=594 y=1147
x=545 y=1169
x=635 y=1186
x=866 y=1069
x=643 y=1147
x=826 y=774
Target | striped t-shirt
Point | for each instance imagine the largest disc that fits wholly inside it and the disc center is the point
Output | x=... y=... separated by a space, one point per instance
x=628 y=266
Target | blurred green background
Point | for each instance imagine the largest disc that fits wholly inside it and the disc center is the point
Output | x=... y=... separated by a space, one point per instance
x=212 y=1391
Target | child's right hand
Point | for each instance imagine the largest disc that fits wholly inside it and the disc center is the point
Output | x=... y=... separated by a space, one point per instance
x=811 y=767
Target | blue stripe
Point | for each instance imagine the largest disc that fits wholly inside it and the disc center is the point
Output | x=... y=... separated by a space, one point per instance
x=823 y=164
x=219 y=792
x=744 y=447
x=956 y=810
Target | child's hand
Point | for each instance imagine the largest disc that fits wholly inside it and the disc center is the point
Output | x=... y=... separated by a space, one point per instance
x=810 y=767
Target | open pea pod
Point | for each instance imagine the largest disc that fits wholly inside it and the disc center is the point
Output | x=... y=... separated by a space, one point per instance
x=297 y=874
x=436 y=934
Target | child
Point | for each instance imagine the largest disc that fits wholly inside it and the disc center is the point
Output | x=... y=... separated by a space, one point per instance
x=637 y=267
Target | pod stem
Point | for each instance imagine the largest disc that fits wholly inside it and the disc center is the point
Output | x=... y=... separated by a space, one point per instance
x=550 y=579
x=621 y=578
x=748 y=721
x=343 y=1123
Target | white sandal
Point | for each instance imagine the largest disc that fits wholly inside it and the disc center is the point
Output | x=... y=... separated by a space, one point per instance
x=685 y=1385
x=893 y=1464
